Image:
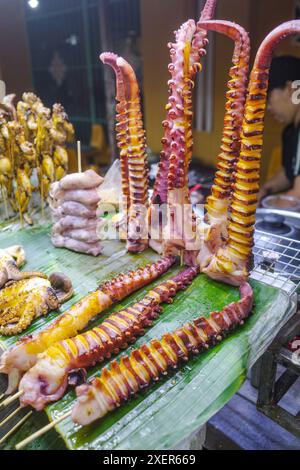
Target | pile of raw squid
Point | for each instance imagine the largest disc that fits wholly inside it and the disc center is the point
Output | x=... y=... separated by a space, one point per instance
x=31 y=137
x=43 y=364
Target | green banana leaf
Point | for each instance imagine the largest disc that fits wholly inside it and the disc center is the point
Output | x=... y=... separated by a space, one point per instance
x=169 y=411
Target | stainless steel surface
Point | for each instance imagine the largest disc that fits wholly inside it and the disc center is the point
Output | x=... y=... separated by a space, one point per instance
x=277 y=261
x=287 y=214
x=269 y=202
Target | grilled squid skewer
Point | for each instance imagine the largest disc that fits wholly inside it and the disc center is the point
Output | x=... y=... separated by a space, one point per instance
x=120 y=381
x=23 y=355
x=48 y=379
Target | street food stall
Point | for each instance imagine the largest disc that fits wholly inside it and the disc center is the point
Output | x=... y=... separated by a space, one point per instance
x=130 y=317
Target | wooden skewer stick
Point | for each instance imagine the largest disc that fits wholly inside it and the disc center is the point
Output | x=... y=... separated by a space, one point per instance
x=42 y=431
x=4 y=201
x=79 y=156
x=11 y=398
x=2 y=396
x=11 y=415
x=42 y=195
x=19 y=424
x=181 y=257
x=20 y=210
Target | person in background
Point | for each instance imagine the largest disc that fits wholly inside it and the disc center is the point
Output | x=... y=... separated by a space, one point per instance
x=284 y=105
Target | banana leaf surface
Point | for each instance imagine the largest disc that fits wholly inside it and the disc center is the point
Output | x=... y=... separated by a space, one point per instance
x=170 y=410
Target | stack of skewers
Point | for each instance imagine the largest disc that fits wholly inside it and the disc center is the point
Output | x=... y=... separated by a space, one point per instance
x=73 y=202
x=32 y=144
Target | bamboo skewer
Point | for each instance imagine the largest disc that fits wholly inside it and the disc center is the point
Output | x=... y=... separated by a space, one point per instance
x=42 y=431
x=79 y=156
x=10 y=416
x=2 y=396
x=4 y=201
x=11 y=399
x=42 y=195
x=16 y=427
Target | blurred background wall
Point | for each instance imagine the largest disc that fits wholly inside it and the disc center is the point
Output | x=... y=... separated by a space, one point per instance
x=53 y=49
x=160 y=19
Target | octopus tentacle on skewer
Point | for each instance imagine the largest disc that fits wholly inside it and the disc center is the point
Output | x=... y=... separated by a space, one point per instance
x=198 y=44
x=23 y=355
x=132 y=144
x=177 y=142
x=230 y=264
x=121 y=380
x=215 y=232
x=178 y=232
x=48 y=379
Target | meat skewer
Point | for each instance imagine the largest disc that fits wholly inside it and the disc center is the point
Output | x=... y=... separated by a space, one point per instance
x=48 y=379
x=230 y=264
x=215 y=232
x=21 y=357
x=184 y=67
x=132 y=144
x=160 y=191
x=150 y=362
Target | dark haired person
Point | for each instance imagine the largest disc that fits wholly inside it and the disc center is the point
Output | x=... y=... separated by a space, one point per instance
x=284 y=105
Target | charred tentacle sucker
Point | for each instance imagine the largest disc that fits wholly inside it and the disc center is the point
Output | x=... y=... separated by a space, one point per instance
x=132 y=144
x=23 y=301
x=218 y=202
x=48 y=379
x=120 y=381
x=23 y=355
x=231 y=263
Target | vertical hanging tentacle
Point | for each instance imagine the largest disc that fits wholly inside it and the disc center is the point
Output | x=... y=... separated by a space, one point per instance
x=231 y=262
x=218 y=202
x=177 y=140
x=132 y=144
x=198 y=44
x=180 y=114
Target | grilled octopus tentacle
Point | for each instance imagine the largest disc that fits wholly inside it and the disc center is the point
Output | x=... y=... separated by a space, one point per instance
x=198 y=43
x=48 y=379
x=132 y=143
x=219 y=200
x=23 y=355
x=148 y=363
x=231 y=263
x=178 y=136
x=172 y=179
